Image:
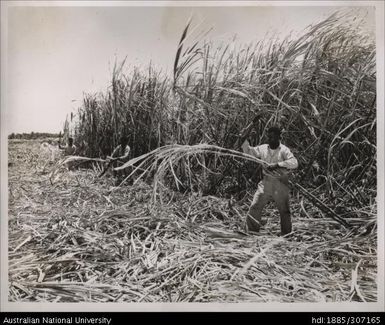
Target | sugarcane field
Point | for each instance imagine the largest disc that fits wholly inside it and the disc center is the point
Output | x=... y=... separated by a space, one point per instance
x=246 y=174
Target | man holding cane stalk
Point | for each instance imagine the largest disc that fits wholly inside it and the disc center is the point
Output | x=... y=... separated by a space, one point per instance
x=274 y=185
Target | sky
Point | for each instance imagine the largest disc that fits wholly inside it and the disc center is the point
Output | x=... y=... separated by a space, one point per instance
x=55 y=54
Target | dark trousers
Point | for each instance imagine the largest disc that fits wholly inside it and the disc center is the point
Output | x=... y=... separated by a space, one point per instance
x=270 y=189
x=120 y=175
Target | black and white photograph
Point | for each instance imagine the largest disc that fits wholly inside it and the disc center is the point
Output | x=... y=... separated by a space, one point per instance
x=192 y=156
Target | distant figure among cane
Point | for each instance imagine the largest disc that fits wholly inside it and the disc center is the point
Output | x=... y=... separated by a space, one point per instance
x=69 y=149
x=274 y=185
x=119 y=156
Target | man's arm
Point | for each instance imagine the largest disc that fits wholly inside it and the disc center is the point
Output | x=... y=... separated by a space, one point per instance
x=290 y=161
x=125 y=155
x=115 y=153
x=250 y=150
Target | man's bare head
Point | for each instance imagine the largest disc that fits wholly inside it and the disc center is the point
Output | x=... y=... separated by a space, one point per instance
x=274 y=137
x=123 y=140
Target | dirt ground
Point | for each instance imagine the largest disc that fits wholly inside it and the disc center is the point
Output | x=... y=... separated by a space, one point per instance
x=80 y=239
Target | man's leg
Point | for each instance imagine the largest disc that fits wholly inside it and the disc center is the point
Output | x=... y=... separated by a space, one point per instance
x=254 y=216
x=281 y=199
x=117 y=173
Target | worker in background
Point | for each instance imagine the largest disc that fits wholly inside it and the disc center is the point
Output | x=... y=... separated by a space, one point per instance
x=119 y=156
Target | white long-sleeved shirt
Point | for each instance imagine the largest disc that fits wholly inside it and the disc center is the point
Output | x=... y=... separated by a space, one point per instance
x=281 y=155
